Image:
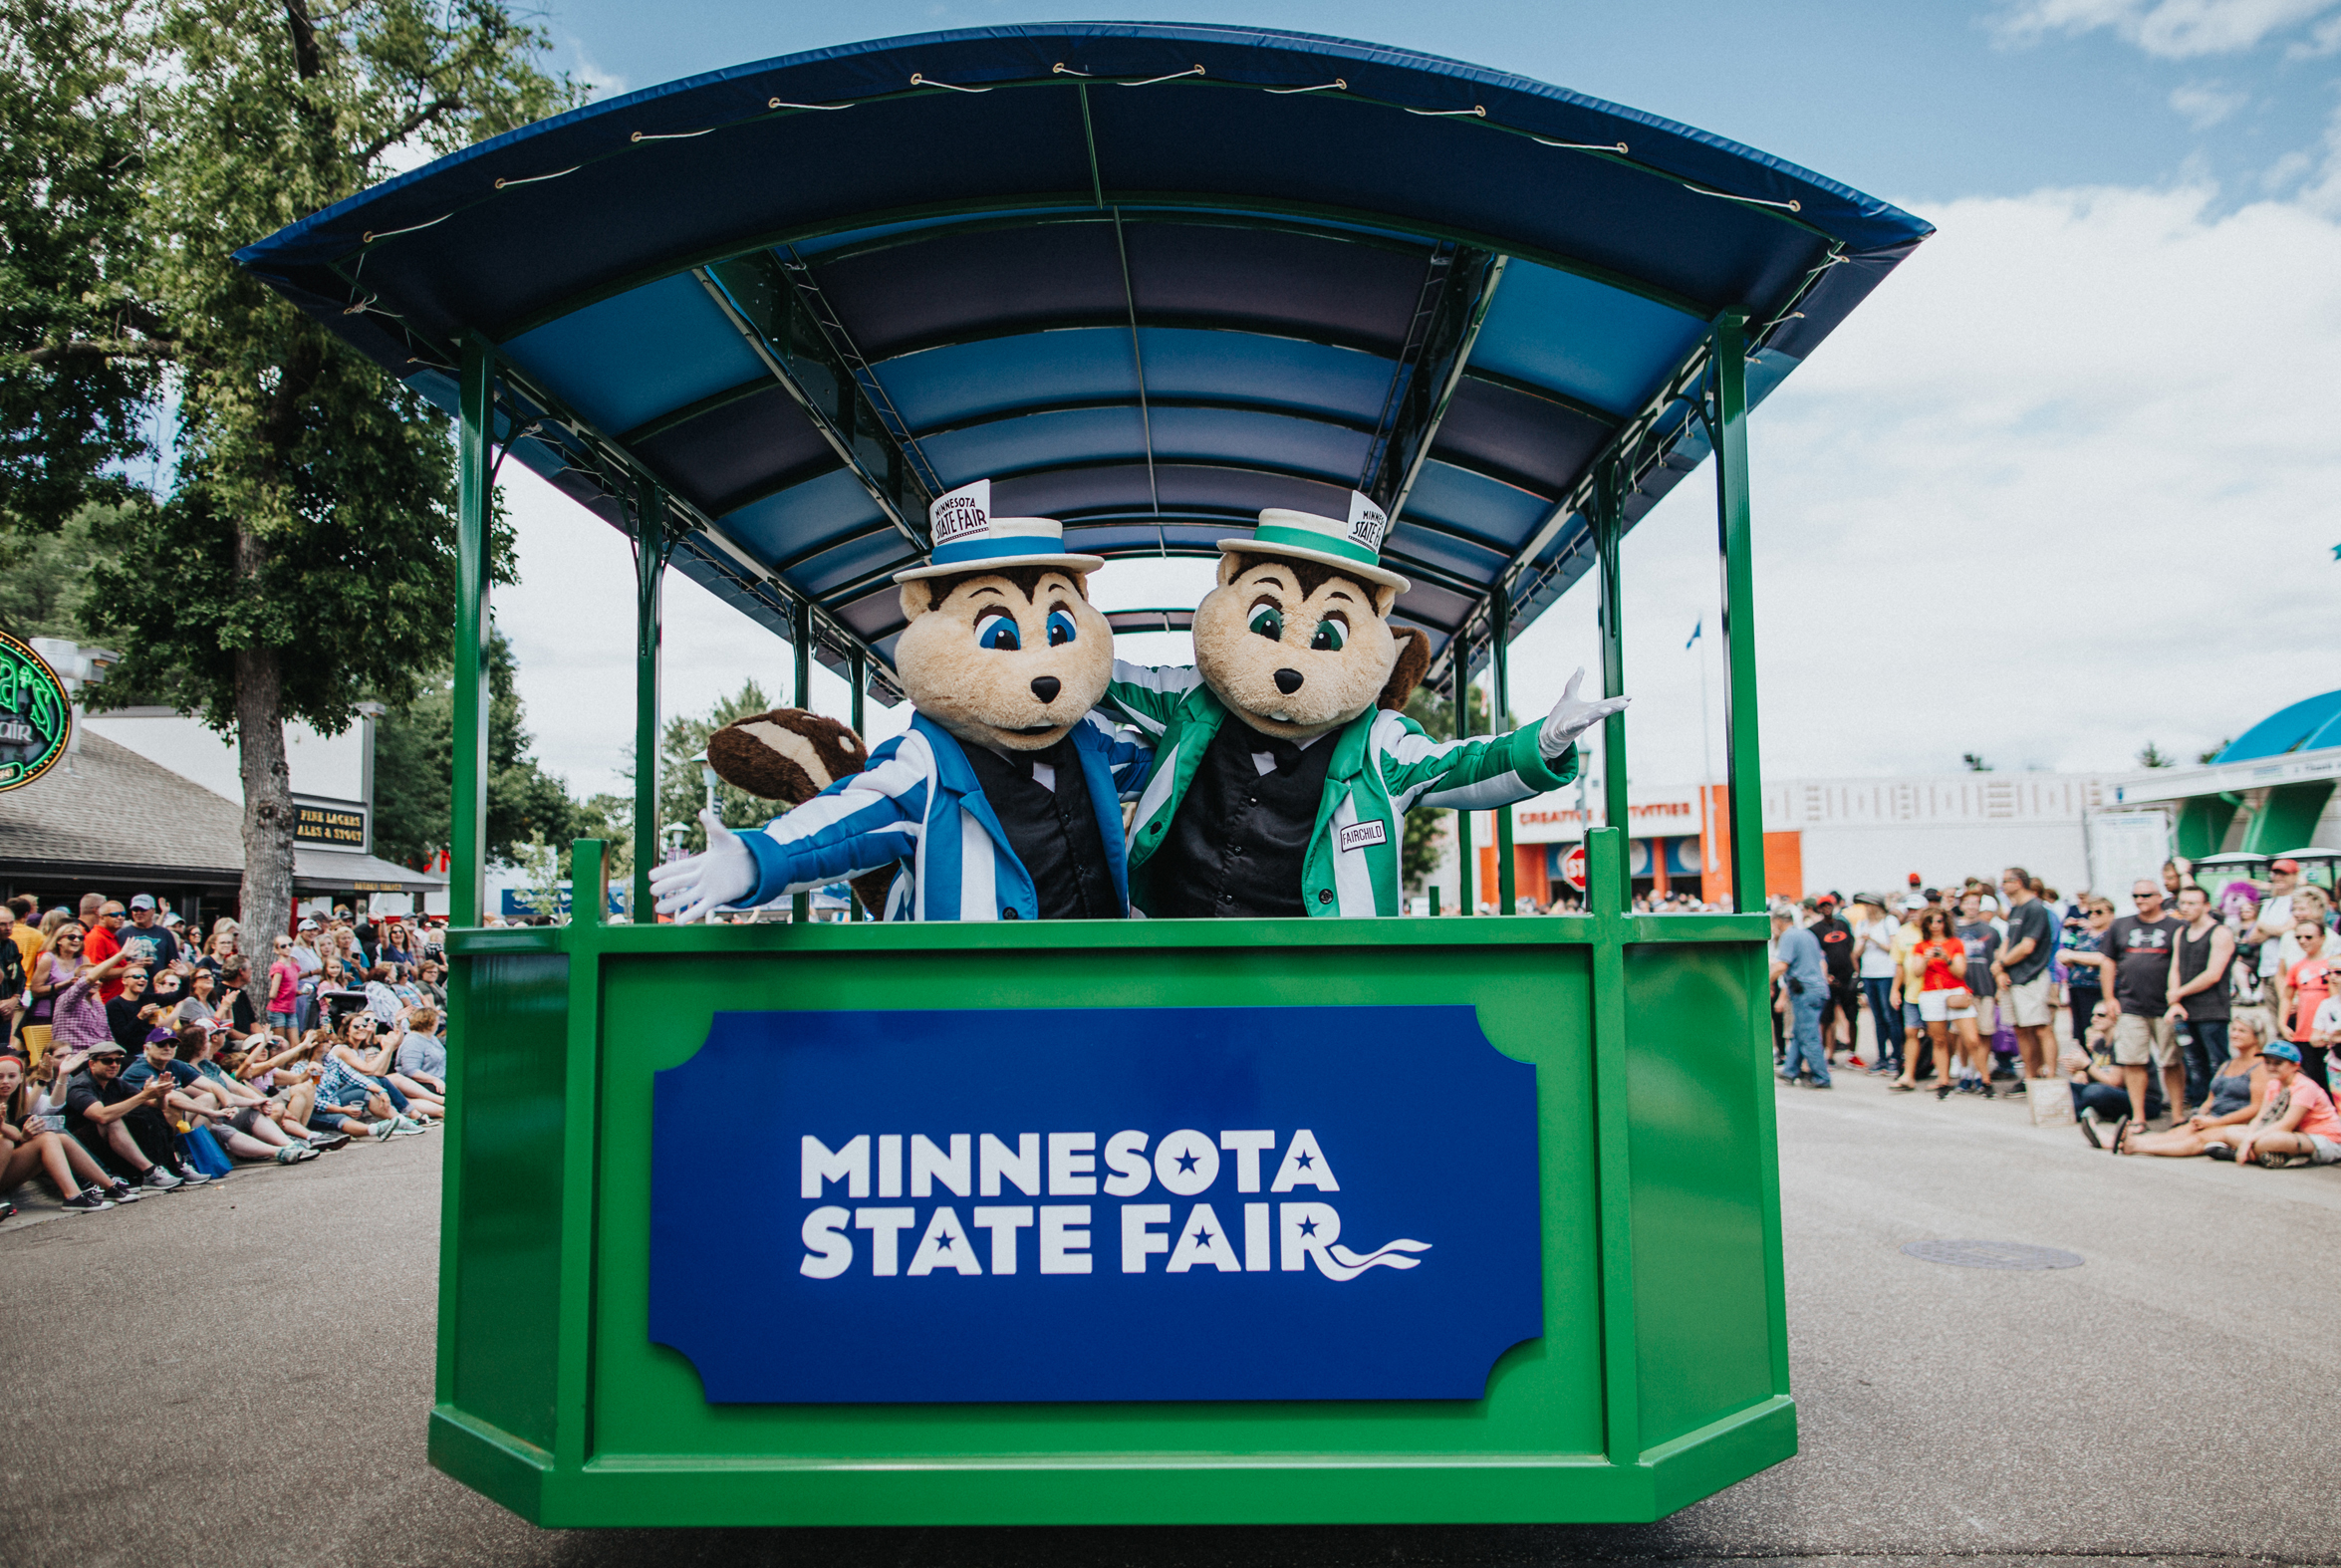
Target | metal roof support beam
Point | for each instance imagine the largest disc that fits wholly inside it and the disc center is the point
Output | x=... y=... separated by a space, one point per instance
x=652 y=544
x=1421 y=390
x=764 y=304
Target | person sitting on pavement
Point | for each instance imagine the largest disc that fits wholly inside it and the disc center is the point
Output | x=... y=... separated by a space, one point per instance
x=124 y=1128
x=2229 y=1101
x=2294 y=1122
x=353 y=1065
x=239 y=1129
x=27 y=1147
x=247 y=1113
x=2094 y=1082
x=422 y=1058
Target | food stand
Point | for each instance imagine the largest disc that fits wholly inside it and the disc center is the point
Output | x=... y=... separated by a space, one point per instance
x=1148 y=279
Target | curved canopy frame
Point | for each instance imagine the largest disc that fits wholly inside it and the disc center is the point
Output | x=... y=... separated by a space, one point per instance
x=1147 y=279
x=1150 y=278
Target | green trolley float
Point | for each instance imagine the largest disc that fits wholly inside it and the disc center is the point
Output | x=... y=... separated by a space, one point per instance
x=1147 y=280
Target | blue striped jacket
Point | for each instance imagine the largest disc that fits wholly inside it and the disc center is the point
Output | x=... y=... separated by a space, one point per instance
x=919 y=805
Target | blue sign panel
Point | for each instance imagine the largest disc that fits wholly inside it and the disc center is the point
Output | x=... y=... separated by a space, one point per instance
x=1146 y=1204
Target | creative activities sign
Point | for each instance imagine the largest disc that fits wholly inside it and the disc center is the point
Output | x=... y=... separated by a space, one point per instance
x=1148 y=1204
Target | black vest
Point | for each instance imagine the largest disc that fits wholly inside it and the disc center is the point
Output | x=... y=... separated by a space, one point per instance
x=1239 y=841
x=1052 y=832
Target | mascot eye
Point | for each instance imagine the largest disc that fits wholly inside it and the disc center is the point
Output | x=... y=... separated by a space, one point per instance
x=1268 y=621
x=1061 y=628
x=1329 y=637
x=996 y=629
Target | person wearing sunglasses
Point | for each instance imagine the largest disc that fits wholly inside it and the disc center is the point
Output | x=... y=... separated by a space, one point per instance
x=57 y=967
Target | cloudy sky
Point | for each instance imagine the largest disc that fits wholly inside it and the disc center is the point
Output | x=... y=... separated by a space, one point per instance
x=2065 y=484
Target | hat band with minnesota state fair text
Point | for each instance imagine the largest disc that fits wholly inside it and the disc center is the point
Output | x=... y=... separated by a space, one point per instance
x=967 y=536
x=1359 y=539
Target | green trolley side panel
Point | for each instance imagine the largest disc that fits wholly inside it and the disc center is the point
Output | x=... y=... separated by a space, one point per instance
x=1699 y=1114
x=507 y=1297
x=628 y=1437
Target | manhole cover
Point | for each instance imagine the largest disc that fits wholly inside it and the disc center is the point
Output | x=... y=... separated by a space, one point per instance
x=1992 y=1254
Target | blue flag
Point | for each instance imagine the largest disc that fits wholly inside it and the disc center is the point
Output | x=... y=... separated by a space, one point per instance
x=1697 y=628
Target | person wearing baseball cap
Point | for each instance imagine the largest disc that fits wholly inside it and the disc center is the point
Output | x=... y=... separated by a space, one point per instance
x=146 y=939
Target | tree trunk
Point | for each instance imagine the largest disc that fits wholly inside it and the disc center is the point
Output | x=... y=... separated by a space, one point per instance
x=268 y=786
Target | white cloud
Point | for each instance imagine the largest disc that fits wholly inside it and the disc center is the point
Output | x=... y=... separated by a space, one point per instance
x=2206 y=104
x=585 y=70
x=2322 y=39
x=2064 y=483
x=2168 y=29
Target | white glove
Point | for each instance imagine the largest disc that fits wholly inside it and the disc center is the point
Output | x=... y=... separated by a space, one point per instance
x=692 y=888
x=1571 y=718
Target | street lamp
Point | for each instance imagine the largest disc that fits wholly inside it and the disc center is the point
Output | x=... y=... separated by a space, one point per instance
x=706 y=777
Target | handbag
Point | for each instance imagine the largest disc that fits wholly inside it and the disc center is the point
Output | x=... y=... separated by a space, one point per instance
x=1958 y=996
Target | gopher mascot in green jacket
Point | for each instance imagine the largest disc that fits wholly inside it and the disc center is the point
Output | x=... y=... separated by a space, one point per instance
x=1283 y=767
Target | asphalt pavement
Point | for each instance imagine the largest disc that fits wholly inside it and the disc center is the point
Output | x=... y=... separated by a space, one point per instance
x=240 y=1376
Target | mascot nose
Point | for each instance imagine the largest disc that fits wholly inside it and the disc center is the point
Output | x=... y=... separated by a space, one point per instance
x=1288 y=681
x=1046 y=688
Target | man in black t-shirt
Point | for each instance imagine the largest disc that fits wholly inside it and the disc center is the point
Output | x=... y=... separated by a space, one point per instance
x=2140 y=946
x=122 y=1127
x=2032 y=944
x=1836 y=940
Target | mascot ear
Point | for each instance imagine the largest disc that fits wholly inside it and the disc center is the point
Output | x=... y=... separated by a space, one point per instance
x=1413 y=658
x=917 y=598
x=1230 y=567
x=1384 y=598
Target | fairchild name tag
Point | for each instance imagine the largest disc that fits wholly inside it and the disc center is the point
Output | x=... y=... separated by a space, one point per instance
x=1363 y=834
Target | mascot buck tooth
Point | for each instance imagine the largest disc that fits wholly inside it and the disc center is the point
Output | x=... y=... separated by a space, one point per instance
x=1003 y=801
x=1284 y=771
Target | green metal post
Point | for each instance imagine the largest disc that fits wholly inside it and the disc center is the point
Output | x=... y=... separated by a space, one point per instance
x=1606 y=890
x=2287 y=817
x=468 y=823
x=1744 y=774
x=1609 y=529
x=650 y=547
x=1465 y=904
x=801 y=625
x=1499 y=714
x=468 y=811
x=2203 y=825
x=1744 y=767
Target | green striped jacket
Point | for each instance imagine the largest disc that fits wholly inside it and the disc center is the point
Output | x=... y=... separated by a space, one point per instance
x=1383 y=763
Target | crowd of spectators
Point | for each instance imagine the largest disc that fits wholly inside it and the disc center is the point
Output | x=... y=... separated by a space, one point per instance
x=2201 y=1021
x=140 y=1056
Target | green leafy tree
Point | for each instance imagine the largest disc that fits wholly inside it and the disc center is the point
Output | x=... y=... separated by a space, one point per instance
x=415 y=774
x=310 y=533
x=2152 y=756
x=81 y=352
x=681 y=791
x=45 y=577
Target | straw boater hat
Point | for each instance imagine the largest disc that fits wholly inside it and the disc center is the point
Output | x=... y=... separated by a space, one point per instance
x=1354 y=546
x=967 y=538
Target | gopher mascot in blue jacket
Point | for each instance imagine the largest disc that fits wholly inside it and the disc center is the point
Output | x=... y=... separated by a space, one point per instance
x=1003 y=801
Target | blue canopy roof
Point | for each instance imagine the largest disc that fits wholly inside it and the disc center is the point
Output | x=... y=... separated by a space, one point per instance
x=2305 y=726
x=1148 y=279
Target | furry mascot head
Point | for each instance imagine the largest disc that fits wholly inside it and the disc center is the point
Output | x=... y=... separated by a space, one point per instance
x=1296 y=637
